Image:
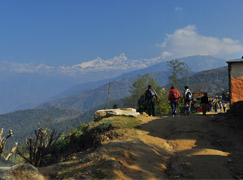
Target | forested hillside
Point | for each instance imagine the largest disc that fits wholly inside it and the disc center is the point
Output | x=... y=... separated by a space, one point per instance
x=211 y=81
x=24 y=122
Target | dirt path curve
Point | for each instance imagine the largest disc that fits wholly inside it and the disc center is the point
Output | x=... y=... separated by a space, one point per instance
x=188 y=143
x=183 y=147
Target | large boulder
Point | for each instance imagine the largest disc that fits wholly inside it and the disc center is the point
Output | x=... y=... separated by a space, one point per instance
x=115 y=112
x=21 y=171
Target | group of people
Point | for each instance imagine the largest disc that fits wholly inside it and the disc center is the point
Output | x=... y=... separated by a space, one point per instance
x=219 y=104
x=174 y=97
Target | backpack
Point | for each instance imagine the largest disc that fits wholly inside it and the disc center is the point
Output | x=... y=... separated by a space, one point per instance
x=188 y=96
x=150 y=94
x=173 y=95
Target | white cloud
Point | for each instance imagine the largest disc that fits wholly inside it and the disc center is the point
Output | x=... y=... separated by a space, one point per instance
x=187 y=42
x=178 y=9
x=166 y=54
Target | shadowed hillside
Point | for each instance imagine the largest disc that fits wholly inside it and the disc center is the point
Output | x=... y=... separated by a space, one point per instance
x=215 y=80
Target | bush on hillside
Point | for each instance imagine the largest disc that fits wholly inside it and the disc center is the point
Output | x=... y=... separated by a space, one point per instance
x=39 y=147
x=90 y=136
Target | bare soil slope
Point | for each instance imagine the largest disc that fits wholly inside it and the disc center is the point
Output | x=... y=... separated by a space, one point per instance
x=183 y=147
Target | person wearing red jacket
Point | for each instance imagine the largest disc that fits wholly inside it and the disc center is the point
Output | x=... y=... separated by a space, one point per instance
x=174 y=96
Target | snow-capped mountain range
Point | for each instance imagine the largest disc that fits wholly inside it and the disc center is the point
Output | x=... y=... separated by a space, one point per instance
x=119 y=64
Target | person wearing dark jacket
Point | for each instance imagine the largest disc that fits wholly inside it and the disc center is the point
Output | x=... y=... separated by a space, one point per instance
x=174 y=96
x=204 y=103
x=150 y=97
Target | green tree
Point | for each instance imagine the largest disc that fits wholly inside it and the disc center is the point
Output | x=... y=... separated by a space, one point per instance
x=142 y=104
x=163 y=106
x=138 y=89
x=178 y=70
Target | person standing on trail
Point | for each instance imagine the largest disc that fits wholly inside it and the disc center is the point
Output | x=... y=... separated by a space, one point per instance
x=216 y=104
x=204 y=103
x=220 y=104
x=224 y=104
x=150 y=97
x=187 y=96
x=174 y=97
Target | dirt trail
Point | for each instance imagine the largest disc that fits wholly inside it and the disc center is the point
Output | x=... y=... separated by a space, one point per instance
x=183 y=147
x=201 y=147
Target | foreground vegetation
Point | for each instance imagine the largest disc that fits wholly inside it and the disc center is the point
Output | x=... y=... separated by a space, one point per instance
x=86 y=136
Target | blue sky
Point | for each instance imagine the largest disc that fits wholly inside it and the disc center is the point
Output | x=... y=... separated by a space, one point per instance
x=68 y=32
